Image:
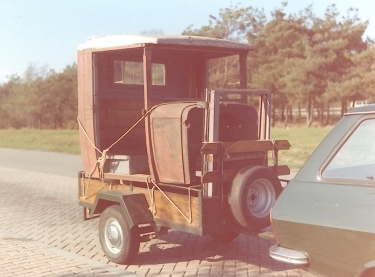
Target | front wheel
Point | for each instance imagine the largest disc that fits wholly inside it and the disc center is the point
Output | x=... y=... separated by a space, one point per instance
x=119 y=242
x=254 y=191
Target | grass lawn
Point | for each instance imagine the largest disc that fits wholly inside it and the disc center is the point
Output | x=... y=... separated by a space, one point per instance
x=303 y=141
x=65 y=141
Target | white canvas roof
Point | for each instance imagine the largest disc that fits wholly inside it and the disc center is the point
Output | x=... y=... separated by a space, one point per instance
x=118 y=41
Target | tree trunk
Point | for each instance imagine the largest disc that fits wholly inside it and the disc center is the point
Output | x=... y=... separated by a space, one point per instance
x=286 y=121
x=321 y=114
x=309 y=110
x=282 y=114
x=328 y=115
x=344 y=108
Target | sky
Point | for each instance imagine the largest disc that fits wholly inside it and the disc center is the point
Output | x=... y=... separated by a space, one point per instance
x=46 y=33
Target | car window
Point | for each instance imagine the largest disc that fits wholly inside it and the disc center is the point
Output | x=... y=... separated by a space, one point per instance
x=131 y=73
x=356 y=157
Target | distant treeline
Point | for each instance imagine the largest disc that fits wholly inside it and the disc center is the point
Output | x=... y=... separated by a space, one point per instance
x=308 y=63
x=42 y=99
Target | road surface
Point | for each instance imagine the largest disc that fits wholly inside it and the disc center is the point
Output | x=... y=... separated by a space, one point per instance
x=42 y=232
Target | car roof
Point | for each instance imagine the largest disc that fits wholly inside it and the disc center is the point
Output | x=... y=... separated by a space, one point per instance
x=125 y=41
x=369 y=108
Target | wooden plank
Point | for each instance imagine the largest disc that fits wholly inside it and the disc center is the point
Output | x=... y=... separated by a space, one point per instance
x=123 y=119
x=248 y=146
x=164 y=208
x=120 y=104
x=282 y=144
x=167 y=211
x=213 y=176
x=211 y=147
x=244 y=156
x=133 y=177
x=90 y=187
x=210 y=177
x=228 y=175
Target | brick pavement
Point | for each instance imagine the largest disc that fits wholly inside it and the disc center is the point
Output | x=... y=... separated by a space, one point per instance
x=20 y=256
x=42 y=233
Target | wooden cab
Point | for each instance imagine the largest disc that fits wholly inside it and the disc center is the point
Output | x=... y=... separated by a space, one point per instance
x=122 y=77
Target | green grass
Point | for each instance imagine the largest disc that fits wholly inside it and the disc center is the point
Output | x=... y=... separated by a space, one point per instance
x=65 y=141
x=303 y=141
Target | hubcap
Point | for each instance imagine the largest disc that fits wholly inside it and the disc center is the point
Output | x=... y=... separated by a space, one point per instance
x=113 y=235
x=260 y=198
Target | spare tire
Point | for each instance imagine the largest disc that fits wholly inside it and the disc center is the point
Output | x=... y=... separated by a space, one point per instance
x=254 y=191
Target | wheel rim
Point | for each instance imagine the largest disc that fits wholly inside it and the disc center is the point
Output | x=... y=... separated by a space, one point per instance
x=260 y=198
x=113 y=236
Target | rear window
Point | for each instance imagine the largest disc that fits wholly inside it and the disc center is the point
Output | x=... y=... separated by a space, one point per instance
x=131 y=73
x=224 y=72
x=356 y=157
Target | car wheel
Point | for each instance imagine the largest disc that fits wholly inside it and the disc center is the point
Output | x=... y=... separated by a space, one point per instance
x=119 y=242
x=225 y=236
x=254 y=191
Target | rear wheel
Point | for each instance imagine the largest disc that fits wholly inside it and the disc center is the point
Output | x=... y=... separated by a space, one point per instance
x=119 y=242
x=254 y=191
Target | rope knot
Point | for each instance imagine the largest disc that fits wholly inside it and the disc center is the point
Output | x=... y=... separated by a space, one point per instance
x=101 y=162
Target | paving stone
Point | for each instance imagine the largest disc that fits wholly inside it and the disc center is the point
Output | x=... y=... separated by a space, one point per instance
x=42 y=232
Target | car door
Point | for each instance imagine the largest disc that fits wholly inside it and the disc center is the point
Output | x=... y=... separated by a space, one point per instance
x=328 y=210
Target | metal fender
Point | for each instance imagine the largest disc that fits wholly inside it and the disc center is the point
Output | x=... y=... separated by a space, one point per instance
x=134 y=205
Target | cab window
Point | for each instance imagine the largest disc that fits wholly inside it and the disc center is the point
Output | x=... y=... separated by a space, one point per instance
x=131 y=73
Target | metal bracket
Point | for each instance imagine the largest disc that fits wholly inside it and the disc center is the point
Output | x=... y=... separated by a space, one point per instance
x=202 y=105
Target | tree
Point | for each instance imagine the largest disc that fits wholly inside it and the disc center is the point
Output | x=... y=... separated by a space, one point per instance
x=8 y=111
x=41 y=98
x=233 y=23
x=301 y=55
x=279 y=55
x=336 y=43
